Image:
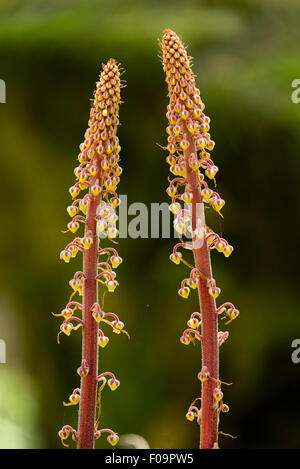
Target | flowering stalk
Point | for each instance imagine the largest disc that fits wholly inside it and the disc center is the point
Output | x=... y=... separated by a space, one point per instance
x=98 y=173
x=189 y=143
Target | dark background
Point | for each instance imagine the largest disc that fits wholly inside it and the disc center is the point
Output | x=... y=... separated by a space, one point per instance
x=246 y=55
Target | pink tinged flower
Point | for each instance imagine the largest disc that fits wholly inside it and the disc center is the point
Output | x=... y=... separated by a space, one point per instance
x=103 y=341
x=204 y=374
x=113 y=439
x=113 y=383
x=84 y=369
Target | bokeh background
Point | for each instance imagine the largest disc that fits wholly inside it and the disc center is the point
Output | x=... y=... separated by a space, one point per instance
x=246 y=55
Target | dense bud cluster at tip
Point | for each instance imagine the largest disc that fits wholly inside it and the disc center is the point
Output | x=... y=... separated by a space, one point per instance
x=189 y=144
x=188 y=129
x=96 y=179
x=98 y=171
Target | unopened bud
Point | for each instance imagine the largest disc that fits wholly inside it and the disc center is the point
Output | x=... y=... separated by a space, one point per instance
x=74 y=191
x=74 y=398
x=204 y=374
x=232 y=313
x=117 y=325
x=190 y=416
x=72 y=210
x=199 y=232
x=228 y=250
x=83 y=370
x=103 y=341
x=179 y=227
x=97 y=315
x=171 y=191
x=206 y=193
x=63 y=434
x=184 y=292
x=187 y=197
x=222 y=336
x=204 y=127
x=82 y=176
x=175 y=208
x=214 y=292
x=66 y=328
x=210 y=145
x=112 y=232
x=171 y=160
x=225 y=408
x=185 y=339
x=73 y=250
x=175 y=257
x=111 y=285
x=219 y=246
x=104 y=165
x=113 y=439
x=193 y=323
x=211 y=171
x=67 y=313
x=75 y=283
x=95 y=189
x=93 y=170
x=113 y=383
x=192 y=282
x=116 y=261
x=217 y=203
x=201 y=142
x=83 y=205
x=115 y=201
x=218 y=395
x=65 y=255
x=184 y=144
x=87 y=241
x=73 y=226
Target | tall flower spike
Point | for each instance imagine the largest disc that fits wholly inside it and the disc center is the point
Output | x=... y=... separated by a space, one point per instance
x=189 y=144
x=98 y=173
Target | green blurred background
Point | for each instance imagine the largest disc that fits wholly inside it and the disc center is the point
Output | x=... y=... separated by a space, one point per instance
x=246 y=55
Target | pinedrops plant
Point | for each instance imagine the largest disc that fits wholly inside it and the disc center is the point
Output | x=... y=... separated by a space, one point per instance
x=189 y=144
x=98 y=173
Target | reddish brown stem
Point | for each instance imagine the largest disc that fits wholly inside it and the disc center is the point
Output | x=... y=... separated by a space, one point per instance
x=86 y=424
x=209 y=332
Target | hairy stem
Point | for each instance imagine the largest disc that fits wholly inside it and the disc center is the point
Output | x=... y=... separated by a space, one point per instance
x=86 y=425
x=210 y=348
